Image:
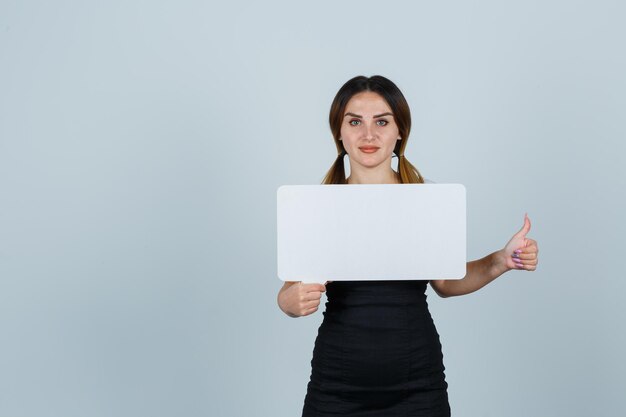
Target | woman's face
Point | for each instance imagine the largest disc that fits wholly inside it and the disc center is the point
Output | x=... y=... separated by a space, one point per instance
x=368 y=131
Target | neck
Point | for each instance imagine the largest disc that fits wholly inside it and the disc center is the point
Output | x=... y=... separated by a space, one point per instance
x=376 y=175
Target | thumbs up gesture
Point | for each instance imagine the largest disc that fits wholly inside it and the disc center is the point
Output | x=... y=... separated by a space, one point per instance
x=521 y=252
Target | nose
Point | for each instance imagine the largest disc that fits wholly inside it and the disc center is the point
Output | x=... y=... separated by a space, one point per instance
x=369 y=132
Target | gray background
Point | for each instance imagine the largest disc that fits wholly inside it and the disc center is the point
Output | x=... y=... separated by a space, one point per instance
x=142 y=143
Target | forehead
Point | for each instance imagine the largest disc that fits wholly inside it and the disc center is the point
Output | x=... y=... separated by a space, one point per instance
x=367 y=103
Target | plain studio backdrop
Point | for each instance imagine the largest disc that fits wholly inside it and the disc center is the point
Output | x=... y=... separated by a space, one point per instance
x=142 y=144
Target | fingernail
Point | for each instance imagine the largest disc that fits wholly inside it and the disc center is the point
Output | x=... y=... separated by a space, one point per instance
x=518 y=251
x=515 y=255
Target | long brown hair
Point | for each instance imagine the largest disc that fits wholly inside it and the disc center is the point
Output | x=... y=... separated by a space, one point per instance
x=401 y=113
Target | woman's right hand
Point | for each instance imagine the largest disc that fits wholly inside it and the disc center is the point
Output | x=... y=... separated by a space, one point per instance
x=297 y=299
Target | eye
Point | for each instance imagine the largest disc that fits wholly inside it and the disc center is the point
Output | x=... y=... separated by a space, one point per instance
x=382 y=122
x=354 y=122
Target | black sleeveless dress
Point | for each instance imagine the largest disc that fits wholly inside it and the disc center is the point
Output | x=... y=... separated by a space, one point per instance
x=377 y=353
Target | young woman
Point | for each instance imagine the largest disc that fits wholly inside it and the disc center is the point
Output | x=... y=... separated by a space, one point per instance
x=377 y=352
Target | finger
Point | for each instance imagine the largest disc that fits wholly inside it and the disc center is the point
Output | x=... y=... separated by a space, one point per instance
x=314 y=287
x=525 y=256
x=310 y=296
x=309 y=312
x=522 y=254
x=525 y=228
x=527 y=266
x=528 y=245
x=310 y=304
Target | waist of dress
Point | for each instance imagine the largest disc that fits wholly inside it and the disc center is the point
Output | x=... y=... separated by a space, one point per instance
x=376 y=292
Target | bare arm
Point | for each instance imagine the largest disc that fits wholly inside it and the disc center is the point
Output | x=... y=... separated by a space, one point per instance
x=519 y=253
x=479 y=273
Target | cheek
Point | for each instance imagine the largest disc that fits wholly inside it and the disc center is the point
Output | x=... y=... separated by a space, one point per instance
x=394 y=132
x=342 y=133
x=347 y=135
x=392 y=136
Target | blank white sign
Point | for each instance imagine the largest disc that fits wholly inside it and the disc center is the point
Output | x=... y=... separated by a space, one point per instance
x=371 y=232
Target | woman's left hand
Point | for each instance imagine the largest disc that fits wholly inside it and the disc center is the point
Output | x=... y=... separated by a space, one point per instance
x=521 y=252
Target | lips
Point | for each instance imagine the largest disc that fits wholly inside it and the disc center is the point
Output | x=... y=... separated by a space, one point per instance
x=369 y=149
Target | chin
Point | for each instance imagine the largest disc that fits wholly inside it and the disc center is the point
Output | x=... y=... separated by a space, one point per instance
x=371 y=163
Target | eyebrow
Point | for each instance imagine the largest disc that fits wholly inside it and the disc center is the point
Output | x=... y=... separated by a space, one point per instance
x=375 y=117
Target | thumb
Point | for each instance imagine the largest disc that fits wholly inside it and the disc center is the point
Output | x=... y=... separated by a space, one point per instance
x=316 y=287
x=526 y=227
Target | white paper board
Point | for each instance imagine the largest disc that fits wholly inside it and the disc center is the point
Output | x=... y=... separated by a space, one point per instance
x=371 y=232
